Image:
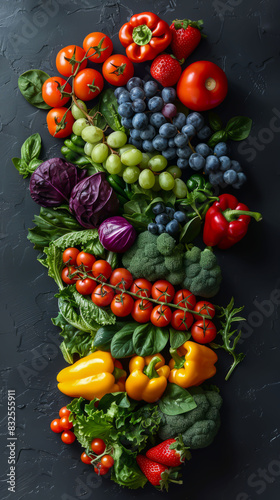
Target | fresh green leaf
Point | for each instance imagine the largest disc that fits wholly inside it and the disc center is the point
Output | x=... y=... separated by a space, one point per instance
x=30 y=85
x=75 y=341
x=53 y=261
x=215 y=121
x=138 y=204
x=178 y=338
x=31 y=148
x=108 y=107
x=190 y=230
x=104 y=335
x=70 y=312
x=21 y=167
x=92 y=314
x=33 y=165
x=176 y=400
x=99 y=120
x=239 y=127
x=139 y=221
x=125 y=471
x=120 y=398
x=122 y=345
x=149 y=339
x=220 y=136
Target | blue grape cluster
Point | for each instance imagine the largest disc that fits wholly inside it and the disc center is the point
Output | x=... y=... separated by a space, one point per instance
x=167 y=220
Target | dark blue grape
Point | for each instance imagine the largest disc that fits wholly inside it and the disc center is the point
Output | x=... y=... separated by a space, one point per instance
x=235 y=165
x=136 y=142
x=204 y=133
x=189 y=131
x=125 y=110
x=196 y=161
x=126 y=122
x=160 y=143
x=124 y=97
x=179 y=120
x=230 y=177
x=168 y=130
x=135 y=134
x=155 y=104
x=168 y=94
x=180 y=140
x=225 y=163
x=221 y=149
x=138 y=105
x=184 y=152
x=171 y=143
x=212 y=164
x=196 y=120
x=147 y=146
x=140 y=121
x=158 y=208
x=134 y=82
x=161 y=228
x=118 y=91
x=162 y=219
x=150 y=88
x=149 y=133
x=137 y=93
x=169 y=153
x=153 y=228
x=173 y=227
x=215 y=178
x=180 y=216
x=182 y=163
x=170 y=212
x=203 y=149
x=157 y=119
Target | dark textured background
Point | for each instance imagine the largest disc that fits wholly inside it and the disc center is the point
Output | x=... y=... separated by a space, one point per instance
x=244 y=461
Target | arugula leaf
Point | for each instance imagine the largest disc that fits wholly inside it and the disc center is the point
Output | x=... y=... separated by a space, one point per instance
x=149 y=339
x=176 y=400
x=30 y=85
x=75 y=341
x=30 y=151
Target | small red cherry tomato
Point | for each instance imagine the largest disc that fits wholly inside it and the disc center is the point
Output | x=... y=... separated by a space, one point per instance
x=88 y=84
x=203 y=331
x=181 y=320
x=52 y=95
x=68 y=437
x=161 y=315
x=98 y=46
x=64 y=66
x=87 y=259
x=64 y=275
x=142 y=310
x=122 y=278
x=65 y=424
x=56 y=426
x=100 y=470
x=102 y=295
x=86 y=459
x=60 y=122
x=98 y=446
x=204 y=307
x=117 y=70
x=101 y=270
x=141 y=287
x=122 y=305
x=69 y=256
x=185 y=298
x=163 y=291
x=107 y=461
x=86 y=286
x=64 y=412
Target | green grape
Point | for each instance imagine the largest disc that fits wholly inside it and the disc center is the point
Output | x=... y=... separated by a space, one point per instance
x=166 y=181
x=91 y=133
x=132 y=157
x=131 y=174
x=100 y=153
x=146 y=179
x=76 y=112
x=120 y=174
x=145 y=160
x=180 y=189
x=156 y=187
x=158 y=163
x=116 y=139
x=88 y=148
x=175 y=171
x=127 y=147
x=79 y=125
x=113 y=164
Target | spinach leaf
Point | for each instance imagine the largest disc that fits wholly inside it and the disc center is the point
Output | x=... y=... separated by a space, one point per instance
x=93 y=315
x=239 y=127
x=104 y=335
x=122 y=345
x=176 y=400
x=108 y=107
x=30 y=85
x=149 y=339
x=190 y=230
x=178 y=338
x=30 y=151
x=75 y=341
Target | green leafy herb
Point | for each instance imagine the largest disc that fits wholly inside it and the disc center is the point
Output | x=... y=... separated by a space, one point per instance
x=122 y=344
x=105 y=334
x=190 y=230
x=99 y=120
x=176 y=400
x=239 y=127
x=30 y=85
x=149 y=339
x=220 y=136
x=178 y=338
x=215 y=121
x=75 y=341
x=108 y=107
x=30 y=151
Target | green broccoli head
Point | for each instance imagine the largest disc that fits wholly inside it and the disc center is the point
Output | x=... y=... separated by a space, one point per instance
x=203 y=274
x=198 y=426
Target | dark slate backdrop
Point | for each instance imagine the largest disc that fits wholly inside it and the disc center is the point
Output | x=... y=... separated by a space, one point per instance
x=244 y=461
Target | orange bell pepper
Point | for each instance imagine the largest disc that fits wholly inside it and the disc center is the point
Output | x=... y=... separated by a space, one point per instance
x=194 y=367
x=148 y=378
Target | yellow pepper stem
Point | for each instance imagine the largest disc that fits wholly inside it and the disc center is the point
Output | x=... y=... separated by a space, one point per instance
x=179 y=362
x=150 y=369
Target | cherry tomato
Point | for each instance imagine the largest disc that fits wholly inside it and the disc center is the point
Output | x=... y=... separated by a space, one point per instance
x=121 y=278
x=85 y=458
x=204 y=307
x=87 y=259
x=68 y=437
x=65 y=424
x=88 y=84
x=203 y=331
x=56 y=426
x=122 y=305
x=117 y=70
x=181 y=320
x=52 y=95
x=163 y=291
x=64 y=67
x=101 y=470
x=70 y=256
x=202 y=85
x=86 y=286
x=98 y=41
x=141 y=287
x=98 y=446
x=107 y=461
x=60 y=116
x=161 y=315
x=142 y=311
x=64 y=275
x=64 y=412
x=102 y=270
x=185 y=298
x=102 y=295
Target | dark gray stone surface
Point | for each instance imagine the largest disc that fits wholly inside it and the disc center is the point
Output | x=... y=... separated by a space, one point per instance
x=244 y=461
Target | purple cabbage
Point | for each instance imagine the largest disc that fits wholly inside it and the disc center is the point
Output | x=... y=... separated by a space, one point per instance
x=116 y=234
x=93 y=200
x=52 y=182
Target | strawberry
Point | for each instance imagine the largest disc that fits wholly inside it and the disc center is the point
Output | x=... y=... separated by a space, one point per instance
x=186 y=35
x=157 y=474
x=166 y=70
x=171 y=452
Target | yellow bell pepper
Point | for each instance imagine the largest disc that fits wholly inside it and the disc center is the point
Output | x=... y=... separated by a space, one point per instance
x=148 y=378
x=194 y=367
x=91 y=377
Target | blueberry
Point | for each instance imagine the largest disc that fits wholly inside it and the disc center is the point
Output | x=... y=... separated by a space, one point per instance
x=182 y=163
x=148 y=146
x=153 y=228
x=155 y=104
x=126 y=122
x=124 y=97
x=137 y=93
x=158 y=208
x=188 y=130
x=204 y=133
x=180 y=140
x=149 y=133
x=196 y=161
x=134 y=82
x=157 y=119
x=221 y=149
x=235 y=165
x=161 y=228
x=160 y=143
x=118 y=91
x=184 y=152
x=170 y=212
x=136 y=142
x=241 y=177
x=140 y=121
x=179 y=120
x=203 y=149
x=212 y=164
x=215 y=178
x=162 y=219
x=173 y=227
x=230 y=177
x=150 y=88
x=225 y=163
x=135 y=134
x=196 y=120
x=171 y=143
x=168 y=130
x=125 y=110
x=180 y=216
x=168 y=94
x=138 y=105
x=169 y=153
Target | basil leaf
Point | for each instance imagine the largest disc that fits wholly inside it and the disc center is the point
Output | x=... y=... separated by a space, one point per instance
x=104 y=335
x=190 y=230
x=108 y=106
x=239 y=127
x=149 y=339
x=176 y=400
x=215 y=121
x=21 y=167
x=92 y=314
x=35 y=162
x=220 y=136
x=50 y=225
x=31 y=148
x=99 y=120
x=30 y=85
x=75 y=340
x=178 y=338
x=122 y=345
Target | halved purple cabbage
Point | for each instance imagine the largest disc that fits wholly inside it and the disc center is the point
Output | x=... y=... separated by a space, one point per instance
x=93 y=200
x=116 y=234
x=52 y=182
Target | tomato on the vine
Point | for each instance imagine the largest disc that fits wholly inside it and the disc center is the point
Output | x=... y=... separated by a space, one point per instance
x=161 y=315
x=87 y=259
x=85 y=458
x=117 y=70
x=88 y=84
x=122 y=305
x=71 y=52
x=181 y=320
x=185 y=298
x=85 y=286
x=204 y=307
x=98 y=446
x=122 y=278
x=101 y=470
x=65 y=424
x=68 y=437
x=141 y=287
x=107 y=461
x=163 y=291
x=64 y=412
x=142 y=311
x=56 y=426
x=102 y=295
x=203 y=331
x=52 y=95
x=60 y=117
x=70 y=256
x=64 y=275
x=102 y=270
x=98 y=46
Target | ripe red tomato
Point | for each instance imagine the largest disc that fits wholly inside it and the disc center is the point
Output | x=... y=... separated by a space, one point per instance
x=60 y=116
x=117 y=70
x=185 y=298
x=102 y=270
x=50 y=93
x=181 y=320
x=202 y=86
x=102 y=295
x=95 y=41
x=107 y=461
x=101 y=470
x=204 y=307
x=64 y=275
x=98 y=446
x=163 y=291
x=141 y=287
x=142 y=311
x=122 y=278
x=203 y=331
x=68 y=437
x=122 y=305
x=86 y=286
x=87 y=259
x=64 y=412
x=64 y=67
x=161 y=315
x=88 y=84
x=70 y=256
x=86 y=459
x=55 y=426
x=65 y=424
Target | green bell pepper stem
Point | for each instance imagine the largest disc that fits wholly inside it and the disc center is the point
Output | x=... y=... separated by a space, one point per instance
x=231 y=215
x=77 y=140
x=179 y=361
x=77 y=149
x=150 y=370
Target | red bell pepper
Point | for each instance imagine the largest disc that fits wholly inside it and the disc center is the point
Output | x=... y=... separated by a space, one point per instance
x=145 y=36
x=226 y=222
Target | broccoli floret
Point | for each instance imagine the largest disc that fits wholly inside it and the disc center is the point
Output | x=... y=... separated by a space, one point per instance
x=203 y=274
x=165 y=244
x=198 y=426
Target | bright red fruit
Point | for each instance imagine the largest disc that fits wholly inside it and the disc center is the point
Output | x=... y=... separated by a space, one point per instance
x=186 y=35
x=171 y=452
x=157 y=474
x=166 y=70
